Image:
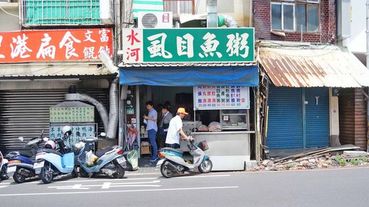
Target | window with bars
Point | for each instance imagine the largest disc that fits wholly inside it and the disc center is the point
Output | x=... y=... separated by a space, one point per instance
x=295 y=15
x=61 y=12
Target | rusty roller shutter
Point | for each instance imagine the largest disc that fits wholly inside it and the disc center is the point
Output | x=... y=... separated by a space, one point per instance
x=26 y=112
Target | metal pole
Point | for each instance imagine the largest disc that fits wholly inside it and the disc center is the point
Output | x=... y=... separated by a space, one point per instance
x=367 y=65
x=212 y=18
x=367 y=34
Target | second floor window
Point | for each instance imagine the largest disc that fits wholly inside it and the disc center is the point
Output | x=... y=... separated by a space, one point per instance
x=295 y=15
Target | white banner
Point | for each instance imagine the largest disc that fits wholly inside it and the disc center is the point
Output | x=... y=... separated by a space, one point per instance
x=221 y=97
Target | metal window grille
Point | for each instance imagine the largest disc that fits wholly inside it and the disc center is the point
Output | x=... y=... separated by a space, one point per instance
x=180 y=6
x=60 y=12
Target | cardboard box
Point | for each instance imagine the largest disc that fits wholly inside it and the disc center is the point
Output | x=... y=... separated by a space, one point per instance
x=145 y=148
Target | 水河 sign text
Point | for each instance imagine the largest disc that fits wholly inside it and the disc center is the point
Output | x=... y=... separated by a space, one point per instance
x=188 y=45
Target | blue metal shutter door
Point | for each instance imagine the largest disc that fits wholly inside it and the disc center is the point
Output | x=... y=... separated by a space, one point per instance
x=317 y=117
x=285 y=118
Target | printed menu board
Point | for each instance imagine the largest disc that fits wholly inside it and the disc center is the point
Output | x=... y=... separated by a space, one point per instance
x=221 y=97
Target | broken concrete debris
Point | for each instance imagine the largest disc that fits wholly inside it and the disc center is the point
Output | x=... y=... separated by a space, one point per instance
x=322 y=158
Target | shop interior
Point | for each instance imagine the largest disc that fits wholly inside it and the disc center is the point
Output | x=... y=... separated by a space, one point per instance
x=220 y=120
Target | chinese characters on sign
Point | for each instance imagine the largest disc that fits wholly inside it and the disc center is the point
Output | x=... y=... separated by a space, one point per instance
x=221 y=97
x=54 y=45
x=188 y=45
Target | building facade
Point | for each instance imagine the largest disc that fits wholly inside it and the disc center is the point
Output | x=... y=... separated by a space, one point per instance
x=47 y=47
x=306 y=107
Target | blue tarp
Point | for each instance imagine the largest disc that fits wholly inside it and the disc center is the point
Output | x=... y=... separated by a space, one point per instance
x=191 y=76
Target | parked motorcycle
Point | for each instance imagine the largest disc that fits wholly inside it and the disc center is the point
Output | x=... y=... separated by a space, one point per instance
x=3 y=167
x=53 y=162
x=21 y=163
x=174 y=163
x=109 y=161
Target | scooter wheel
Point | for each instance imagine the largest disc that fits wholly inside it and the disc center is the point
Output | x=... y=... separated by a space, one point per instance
x=206 y=166
x=119 y=174
x=165 y=171
x=47 y=174
x=18 y=177
x=83 y=173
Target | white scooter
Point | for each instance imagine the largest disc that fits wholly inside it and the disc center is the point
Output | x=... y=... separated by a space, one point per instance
x=173 y=162
x=3 y=167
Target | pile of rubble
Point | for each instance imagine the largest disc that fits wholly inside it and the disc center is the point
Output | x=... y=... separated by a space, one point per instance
x=316 y=161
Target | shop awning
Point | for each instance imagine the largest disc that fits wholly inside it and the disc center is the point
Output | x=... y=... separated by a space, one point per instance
x=306 y=65
x=190 y=76
x=51 y=70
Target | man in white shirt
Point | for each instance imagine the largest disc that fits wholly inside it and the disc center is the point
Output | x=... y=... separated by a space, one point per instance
x=175 y=130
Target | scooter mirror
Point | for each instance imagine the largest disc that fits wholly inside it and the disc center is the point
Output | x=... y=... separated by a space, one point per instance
x=21 y=139
x=102 y=134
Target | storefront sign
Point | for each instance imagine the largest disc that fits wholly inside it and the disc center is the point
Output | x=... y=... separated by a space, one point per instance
x=221 y=97
x=80 y=131
x=54 y=45
x=72 y=114
x=188 y=45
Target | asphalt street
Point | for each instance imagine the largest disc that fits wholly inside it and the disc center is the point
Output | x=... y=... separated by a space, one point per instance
x=338 y=187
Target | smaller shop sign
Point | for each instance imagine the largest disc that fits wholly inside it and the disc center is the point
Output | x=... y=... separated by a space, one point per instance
x=55 y=45
x=80 y=131
x=72 y=114
x=221 y=97
x=188 y=45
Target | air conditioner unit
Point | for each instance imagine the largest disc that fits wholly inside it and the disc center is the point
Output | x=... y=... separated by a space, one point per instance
x=155 y=19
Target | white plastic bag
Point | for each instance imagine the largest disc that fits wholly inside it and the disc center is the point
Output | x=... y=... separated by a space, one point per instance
x=90 y=158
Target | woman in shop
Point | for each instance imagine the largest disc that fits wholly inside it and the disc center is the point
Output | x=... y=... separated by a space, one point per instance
x=166 y=116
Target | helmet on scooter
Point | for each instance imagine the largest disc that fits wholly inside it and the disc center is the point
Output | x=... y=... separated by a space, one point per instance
x=67 y=131
x=50 y=145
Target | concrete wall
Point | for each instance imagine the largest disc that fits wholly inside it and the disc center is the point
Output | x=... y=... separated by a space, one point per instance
x=238 y=9
x=55 y=84
x=8 y=19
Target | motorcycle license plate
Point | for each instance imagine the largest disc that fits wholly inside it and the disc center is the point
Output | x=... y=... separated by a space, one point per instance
x=38 y=165
x=11 y=169
x=121 y=161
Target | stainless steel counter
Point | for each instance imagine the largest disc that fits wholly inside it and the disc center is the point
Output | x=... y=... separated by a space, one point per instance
x=228 y=150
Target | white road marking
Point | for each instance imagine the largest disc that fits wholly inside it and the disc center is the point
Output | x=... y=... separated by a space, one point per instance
x=4 y=186
x=121 y=191
x=99 y=180
x=204 y=176
x=107 y=185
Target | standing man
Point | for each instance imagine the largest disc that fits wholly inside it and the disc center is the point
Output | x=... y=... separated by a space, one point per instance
x=175 y=131
x=166 y=116
x=151 y=129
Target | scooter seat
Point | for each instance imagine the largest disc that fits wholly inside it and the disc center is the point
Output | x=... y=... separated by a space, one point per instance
x=101 y=152
x=52 y=151
x=172 y=150
x=26 y=154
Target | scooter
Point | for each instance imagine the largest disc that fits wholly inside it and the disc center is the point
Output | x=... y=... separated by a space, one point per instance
x=173 y=162
x=52 y=162
x=3 y=167
x=109 y=161
x=21 y=163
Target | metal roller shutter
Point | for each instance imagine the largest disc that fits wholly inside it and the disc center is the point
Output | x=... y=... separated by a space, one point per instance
x=26 y=112
x=285 y=118
x=317 y=117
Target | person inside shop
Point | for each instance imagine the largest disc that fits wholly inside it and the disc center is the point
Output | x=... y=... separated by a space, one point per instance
x=166 y=116
x=175 y=131
x=152 y=128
